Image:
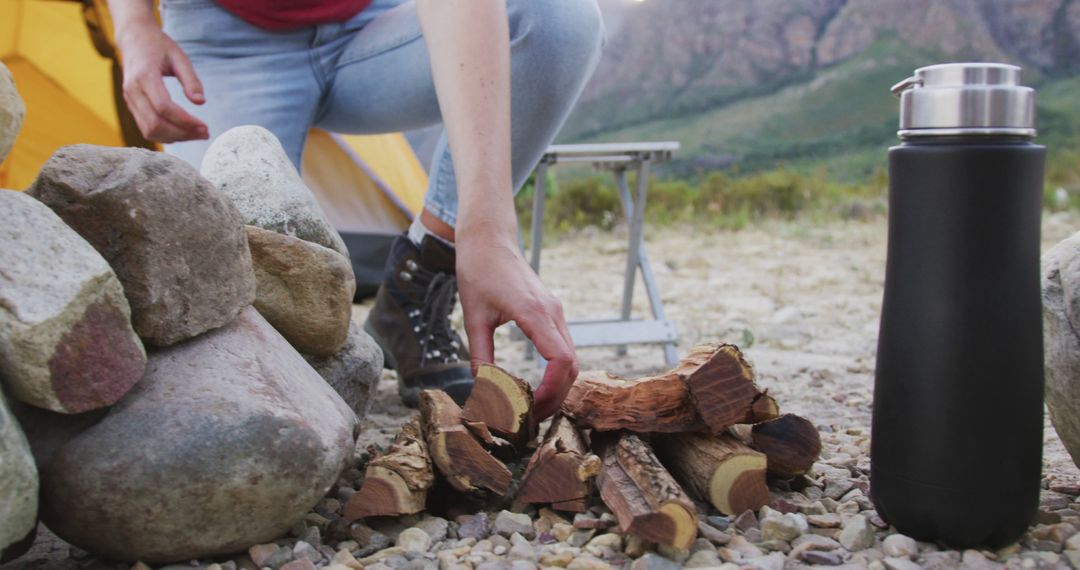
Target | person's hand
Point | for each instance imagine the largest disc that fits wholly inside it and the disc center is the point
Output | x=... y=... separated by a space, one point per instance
x=148 y=56
x=498 y=286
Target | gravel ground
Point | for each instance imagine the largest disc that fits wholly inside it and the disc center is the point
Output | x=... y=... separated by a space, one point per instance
x=803 y=300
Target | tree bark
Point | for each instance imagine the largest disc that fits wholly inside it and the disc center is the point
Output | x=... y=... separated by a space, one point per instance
x=396 y=482
x=718 y=469
x=645 y=498
x=460 y=457
x=562 y=469
x=503 y=402
x=791 y=443
x=724 y=390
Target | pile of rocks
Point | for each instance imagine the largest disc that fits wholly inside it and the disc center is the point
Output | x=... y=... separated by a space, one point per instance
x=182 y=375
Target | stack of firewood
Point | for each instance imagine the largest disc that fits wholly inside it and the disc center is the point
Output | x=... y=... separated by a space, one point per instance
x=704 y=427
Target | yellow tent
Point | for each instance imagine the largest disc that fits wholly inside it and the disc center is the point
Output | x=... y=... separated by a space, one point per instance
x=61 y=55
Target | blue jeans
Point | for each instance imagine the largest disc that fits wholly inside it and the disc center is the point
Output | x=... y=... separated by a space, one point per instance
x=372 y=74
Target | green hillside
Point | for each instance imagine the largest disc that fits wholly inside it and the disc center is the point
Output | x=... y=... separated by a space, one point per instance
x=837 y=123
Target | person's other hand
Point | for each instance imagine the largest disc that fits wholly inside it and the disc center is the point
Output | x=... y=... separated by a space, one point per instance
x=148 y=56
x=498 y=286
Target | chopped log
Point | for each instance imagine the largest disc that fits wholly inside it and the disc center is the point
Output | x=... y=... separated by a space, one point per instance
x=724 y=390
x=504 y=402
x=718 y=469
x=460 y=457
x=396 y=482
x=646 y=500
x=561 y=470
x=790 y=442
x=711 y=389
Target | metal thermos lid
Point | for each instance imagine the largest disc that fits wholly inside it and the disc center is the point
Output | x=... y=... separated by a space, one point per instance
x=966 y=99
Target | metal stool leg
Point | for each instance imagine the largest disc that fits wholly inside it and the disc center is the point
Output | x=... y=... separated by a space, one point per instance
x=537 y=232
x=636 y=213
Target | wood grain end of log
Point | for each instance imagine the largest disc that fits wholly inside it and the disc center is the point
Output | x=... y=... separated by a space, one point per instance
x=396 y=482
x=561 y=470
x=504 y=403
x=763 y=409
x=739 y=484
x=791 y=443
x=456 y=452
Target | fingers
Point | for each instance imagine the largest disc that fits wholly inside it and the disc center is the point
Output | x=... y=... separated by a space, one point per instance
x=185 y=72
x=552 y=342
x=170 y=115
x=481 y=335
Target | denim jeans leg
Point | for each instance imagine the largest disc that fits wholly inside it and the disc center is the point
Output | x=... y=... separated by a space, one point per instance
x=383 y=83
x=250 y=76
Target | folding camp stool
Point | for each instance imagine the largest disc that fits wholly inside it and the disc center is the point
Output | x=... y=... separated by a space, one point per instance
x=617 y=158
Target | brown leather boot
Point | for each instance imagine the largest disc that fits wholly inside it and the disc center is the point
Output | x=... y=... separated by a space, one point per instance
x=411 y=321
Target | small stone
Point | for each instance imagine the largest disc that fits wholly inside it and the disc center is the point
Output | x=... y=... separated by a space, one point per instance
x=12 y=111
x=1054 y=501
x=635 y=546
x=551 y=516
x=718 y=522
x=381 y=555
x=784 y=506
x=651 y=561
x=878 y=522
x=610 y=541
x=679 y=555
x=828 y=520
x=560 y=559
x=260 y=552
x=774 y=561
x=475 y=526
x=975 y=560
x=901 y=564
x=414 y=540
x=1073 y=542
x=815 y=508
x=776 y=546
x=507 y=523
x=300 y=564
x=580 y=538
x=525 y=551
x=279 y=557
x=741 y=545
x=702 y=559
x=584 y=521
x=815 y=542
x=857 y=534
x=588 y=563
x=820 y=558
x=786 y=527
x=345 y=558
x=1043 y=545
x=1043 y=516
x=712 y=533
x=304 y=550
x=523 y=565
x=899 y=546
x=1071 y=488
x=746 y=521
x=562 y=532
x=836 y=488
x=1058 y=533
x=848 y=508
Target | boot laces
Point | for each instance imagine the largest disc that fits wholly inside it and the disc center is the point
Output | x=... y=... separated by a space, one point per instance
x=431 y=321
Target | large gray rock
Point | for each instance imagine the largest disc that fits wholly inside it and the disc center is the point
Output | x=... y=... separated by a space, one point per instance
x=1061 y=321
x=304 y=289
x=66 y=342
x=12 y=111
x=354 y=372
x=250 y=167
x=177 y=244
x=18 y=482
x=228 y=441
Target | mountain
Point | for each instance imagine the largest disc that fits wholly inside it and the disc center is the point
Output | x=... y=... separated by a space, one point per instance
x=756 y=82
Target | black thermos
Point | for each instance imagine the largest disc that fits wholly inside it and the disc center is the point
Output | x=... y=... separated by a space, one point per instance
x=956 y=446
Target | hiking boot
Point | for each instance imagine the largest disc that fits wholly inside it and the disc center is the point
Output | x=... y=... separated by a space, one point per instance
x=411 y=321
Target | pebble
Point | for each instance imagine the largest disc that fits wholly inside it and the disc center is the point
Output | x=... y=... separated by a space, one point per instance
x=260 y=552
x=702 y=559
x=820 y=557
x=712 y=533
x=857 y=534
x=436 y=527
x=786 y=527
x=776 y=546
x=561 y=558
x=475 y=526
x=901 y=564
x=652 y=561
x=975 y=560
x=304 y=550
x=672 y=553
x=1066 y=487
x=562 y=531
x=701 y=544
x=899 y=546
x=746 y=521
x=635 y=546
x=774 y=561
x=848 y=508
x=836 y=488
x=300 y=564
x=828 y=520
x=585 y=521
x=382 y=555
x=610 y=541
x=815 y=542
x=507 y=523
x=414 y=539
x=345 y=558
x=580 y=537
x=1058 y=533
x=742 y=546
x=278 y=558
x=719 y=522
x=1053 y=501
x=588 y=563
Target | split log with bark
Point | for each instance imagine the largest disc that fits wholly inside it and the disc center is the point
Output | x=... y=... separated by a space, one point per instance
x=645 y=499
x=504 y=403
x=791 y=443
x=561 y=471
x=458 y=454
x=396 y=482
x=718 y=469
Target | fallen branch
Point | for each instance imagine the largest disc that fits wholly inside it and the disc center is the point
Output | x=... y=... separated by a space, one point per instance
x=396 y=482
x=791 y=443
x=561 y=470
